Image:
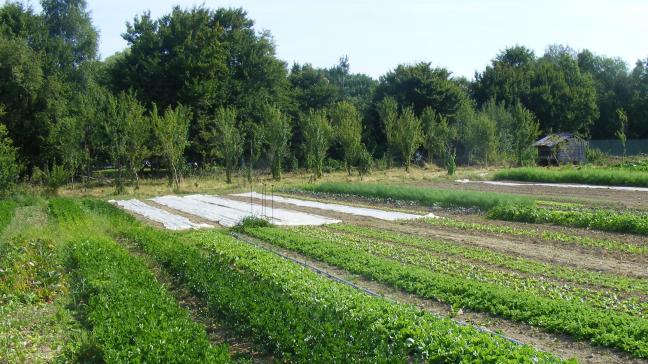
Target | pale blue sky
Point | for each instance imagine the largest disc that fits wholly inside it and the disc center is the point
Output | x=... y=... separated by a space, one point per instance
x=462 y=35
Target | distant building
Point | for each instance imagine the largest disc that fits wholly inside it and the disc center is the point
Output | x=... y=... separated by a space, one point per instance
x=561 y=148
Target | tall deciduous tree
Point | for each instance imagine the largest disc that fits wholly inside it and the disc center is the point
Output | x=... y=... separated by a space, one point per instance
x=171 y=131
x=229 y=142
x=408 y=136
x=525 y=130
x=277 y=133
x=388 y=114
x=317 y=140
x=437 y=134
x=348 y=131
x=621 y=132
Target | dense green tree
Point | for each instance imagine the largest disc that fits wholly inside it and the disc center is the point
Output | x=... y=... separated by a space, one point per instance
x=317 y=140
x=524 y=131
x=611 y=79
x=277 y=134
x=408 y=136
x=171 y=131
x=9 y=166
x=437 y=134
x=505 y=124
x=478 y=135
x=127 y=129
x=508 y=77
x=422 y=86
x=229 y=143
x=348 y=131
x=638 y=103
x=72 y=39
x=387 y=110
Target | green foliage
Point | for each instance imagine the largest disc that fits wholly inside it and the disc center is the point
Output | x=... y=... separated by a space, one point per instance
x=450 y=163
x=621 y=132
x=408 y=136
x=589 y=175
x=276 y=133
x=418 y=272
x=10 y=168
x=438 y=134
x=586 y=241
x=171 y=131
x=365 y=162
x=525 y=130
x=424 y=196
x=223 y=140
x=348 y=131
x=55 y=178
x=253 y=290
x=133 y=318
x=388 y=113
x=606 y=220
x=595 y=156
x=317 y=140
x=477 y=134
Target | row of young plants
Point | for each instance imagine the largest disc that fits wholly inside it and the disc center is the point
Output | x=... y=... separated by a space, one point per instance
x=586 y=241
x=300 y=316
x=130 y=315
x=587 y=175
x=605 y=220
x=425 y=196
x=455 y=265
x=493 y=258
x=601 y=327
x=498 y=205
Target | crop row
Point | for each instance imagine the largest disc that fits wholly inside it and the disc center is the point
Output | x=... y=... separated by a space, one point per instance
x=594 y=176
x=530 y=266
x=443 y=259
x=424 y=196
x=601 y=327
x=606 y=220
x=300 y=316
x=131 y=316
x=606 y=244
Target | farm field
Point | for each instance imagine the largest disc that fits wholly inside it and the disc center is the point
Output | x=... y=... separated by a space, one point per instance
x=464 y=286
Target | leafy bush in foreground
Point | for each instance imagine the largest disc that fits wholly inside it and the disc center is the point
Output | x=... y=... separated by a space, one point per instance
x=593 y=176
x=133 y=318
x=606 y=220
x=425 y=196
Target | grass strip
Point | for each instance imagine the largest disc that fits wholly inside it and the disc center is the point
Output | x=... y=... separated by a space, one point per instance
x=425 y=196
x=587 y=175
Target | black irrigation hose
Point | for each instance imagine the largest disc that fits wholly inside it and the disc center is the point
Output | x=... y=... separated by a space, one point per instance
x=248 y=240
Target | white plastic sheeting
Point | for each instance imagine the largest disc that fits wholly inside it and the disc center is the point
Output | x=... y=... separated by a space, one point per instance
x=230 y=212
x=358 y=211
x=169 y=220
x=224 y=216
x=276 y=216
x=560 y=185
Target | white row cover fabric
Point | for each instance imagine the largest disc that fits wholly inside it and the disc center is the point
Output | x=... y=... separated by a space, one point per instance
x=358 y=211
x=229 y=212
x=560 y=185
x=276 y=216
x=169 y=220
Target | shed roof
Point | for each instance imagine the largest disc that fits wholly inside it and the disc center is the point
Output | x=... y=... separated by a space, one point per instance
x=553 y=139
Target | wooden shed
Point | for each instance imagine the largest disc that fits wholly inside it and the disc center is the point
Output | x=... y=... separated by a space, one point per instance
x=561 y=148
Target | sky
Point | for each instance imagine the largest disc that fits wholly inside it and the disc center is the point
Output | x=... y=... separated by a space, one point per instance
x=461 y=35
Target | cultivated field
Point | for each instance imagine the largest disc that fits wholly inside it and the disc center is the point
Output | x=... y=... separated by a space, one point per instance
x=403 y=267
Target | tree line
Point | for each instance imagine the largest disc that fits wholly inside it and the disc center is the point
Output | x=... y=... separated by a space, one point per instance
x=202 y=87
